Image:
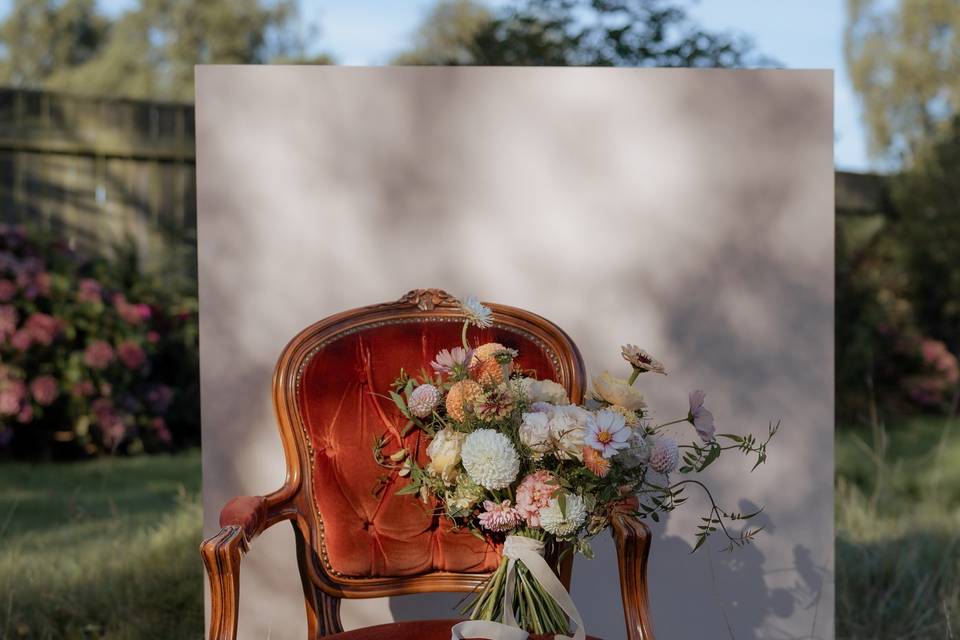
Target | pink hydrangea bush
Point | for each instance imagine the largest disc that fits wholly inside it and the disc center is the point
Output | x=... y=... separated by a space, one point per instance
x=92 y=358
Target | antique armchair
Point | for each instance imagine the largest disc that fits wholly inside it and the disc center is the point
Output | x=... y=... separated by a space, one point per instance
x=352 y=542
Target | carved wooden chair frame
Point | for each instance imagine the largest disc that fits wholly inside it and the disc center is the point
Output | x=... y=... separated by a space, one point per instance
x=244 y=518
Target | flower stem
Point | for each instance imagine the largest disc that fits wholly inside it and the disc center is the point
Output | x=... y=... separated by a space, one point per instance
x=463 y=336
x=633 y=376
x=667 y=424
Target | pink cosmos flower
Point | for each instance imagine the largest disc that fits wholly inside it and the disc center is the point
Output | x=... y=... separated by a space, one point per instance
x=7 y=290
x=98 y=354
x=43 y=328
x=607 y=432
x=534 y=494
x=89 y=291
x=499 y=517
x=449 y=359
x=44 y=390
x=131 y=355
x=700 y=417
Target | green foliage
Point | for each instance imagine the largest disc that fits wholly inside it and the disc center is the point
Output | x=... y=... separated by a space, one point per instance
x=101 y=549
x=928 y=199
x=148 y=51
x=903 y=64
x=621 y=33
x=897 y=499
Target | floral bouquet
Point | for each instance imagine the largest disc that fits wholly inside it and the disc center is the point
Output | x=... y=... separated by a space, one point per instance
x=512 y=459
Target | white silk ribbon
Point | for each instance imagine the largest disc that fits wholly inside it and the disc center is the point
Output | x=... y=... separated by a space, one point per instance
x=530 y=552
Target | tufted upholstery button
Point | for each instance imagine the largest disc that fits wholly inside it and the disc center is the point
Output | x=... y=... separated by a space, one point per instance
x=369 y=533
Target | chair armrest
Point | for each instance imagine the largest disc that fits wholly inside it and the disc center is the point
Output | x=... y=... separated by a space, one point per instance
x=632 y=539
x=241 y=520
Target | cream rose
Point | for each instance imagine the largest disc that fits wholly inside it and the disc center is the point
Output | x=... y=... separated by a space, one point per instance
x=566 y=435
x=618 y=391
x=535 y=433
x=544 y=391
x=444 y=454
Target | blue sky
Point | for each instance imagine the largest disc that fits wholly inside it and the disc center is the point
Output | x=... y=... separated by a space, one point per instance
x=801 y=34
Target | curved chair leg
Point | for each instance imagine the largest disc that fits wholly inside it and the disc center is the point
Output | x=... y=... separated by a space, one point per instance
x=221 y=557
x=632 y=539
x=323 y=610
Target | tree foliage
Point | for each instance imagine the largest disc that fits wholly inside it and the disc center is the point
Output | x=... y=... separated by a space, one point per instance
x=148 y=51
x=575 y=32
x=903 y=63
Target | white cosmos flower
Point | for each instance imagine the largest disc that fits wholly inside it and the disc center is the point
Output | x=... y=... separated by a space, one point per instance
x=477 y=314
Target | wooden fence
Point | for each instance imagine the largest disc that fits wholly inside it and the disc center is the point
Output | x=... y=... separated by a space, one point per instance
x=102 y=171
x=105 y=170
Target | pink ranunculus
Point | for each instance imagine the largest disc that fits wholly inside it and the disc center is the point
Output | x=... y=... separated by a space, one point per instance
x=21 y=340
x=98 y=354
x=7 y=290
x=89 y=291
x=143 y=310
x=499 y=516
x=131 y=355
x=44 y=390
x=153 y=337
x=534 y=494
x=159 y=426
x=12 y=393
x=43 y=328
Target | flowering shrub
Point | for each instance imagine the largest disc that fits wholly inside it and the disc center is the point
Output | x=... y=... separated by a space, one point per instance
x=93 y=358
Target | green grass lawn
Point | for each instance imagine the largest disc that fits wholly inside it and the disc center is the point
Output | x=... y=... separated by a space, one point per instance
x=101 y=549
x=898 y=531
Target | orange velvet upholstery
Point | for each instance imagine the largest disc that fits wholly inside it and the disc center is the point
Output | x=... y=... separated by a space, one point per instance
x=413 y=630
x=367 y=534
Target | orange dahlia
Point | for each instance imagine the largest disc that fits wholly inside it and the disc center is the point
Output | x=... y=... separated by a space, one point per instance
x=595 y=461
x=462 y=395
x=489 y=372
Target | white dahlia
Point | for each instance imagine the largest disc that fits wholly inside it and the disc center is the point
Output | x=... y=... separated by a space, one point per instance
x=563 y=522
x=490 y=459
x=423 y=400
x=664 y=455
